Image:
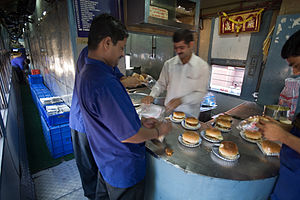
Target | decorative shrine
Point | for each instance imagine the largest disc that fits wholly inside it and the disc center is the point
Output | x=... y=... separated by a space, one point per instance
x=246 y=21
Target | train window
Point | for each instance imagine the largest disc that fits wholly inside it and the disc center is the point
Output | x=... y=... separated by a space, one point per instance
x=227 y=79
x=4 y=79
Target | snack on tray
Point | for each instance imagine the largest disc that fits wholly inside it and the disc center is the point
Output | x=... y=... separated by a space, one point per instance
x=214 y=134
x=178 y=115
x=190 y=137
x=270 y=147
x=225 y=117
x=191 y=122
x=253 y=135
x=228 y=150
x=223 y=124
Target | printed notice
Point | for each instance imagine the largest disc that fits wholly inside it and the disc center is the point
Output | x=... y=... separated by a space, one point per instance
x=157 y=12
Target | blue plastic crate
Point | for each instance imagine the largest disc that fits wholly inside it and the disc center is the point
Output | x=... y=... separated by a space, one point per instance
x=35 y=79
x=54 y=120
x=58 y=139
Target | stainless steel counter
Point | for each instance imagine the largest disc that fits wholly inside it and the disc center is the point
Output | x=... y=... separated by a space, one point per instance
x=252 y=164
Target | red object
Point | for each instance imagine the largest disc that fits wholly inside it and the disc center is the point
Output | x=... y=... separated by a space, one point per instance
x=35 y=71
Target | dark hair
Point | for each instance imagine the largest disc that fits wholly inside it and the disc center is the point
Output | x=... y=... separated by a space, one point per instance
x=183 y=35
x=105 y=25
x=291 y=46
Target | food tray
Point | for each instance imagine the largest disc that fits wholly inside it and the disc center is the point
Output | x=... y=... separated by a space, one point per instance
x=267 y=154
x=190 y=128
x=209 y=139
x=242 y=134
x=189 y=145
x=175 y=120
x=215 y=151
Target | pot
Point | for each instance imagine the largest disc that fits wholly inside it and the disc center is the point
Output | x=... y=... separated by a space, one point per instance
x=276 y=111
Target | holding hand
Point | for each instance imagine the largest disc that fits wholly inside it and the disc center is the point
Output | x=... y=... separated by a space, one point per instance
x=149 y=122
x=164 y=127
x=147 y=100
x=174 y=103
x=271 y=130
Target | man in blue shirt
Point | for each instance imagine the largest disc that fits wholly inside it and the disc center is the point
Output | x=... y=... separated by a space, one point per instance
x=86 y=165
x=288 y=183
x=17 y=64
x=112 y=125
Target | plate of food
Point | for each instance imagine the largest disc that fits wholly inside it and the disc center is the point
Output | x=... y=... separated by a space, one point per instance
x=227 y=151
x=250 y=122
x=190 y=139
x=212 y=135
x=223 y=125
x=251 y=135
x=191 y=123
x=177 y=117
x=269 y=148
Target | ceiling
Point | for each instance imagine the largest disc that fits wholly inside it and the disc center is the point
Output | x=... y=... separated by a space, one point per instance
x=14 y=14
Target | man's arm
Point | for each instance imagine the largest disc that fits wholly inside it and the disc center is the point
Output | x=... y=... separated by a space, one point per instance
x=145 y=134
x=275 y=132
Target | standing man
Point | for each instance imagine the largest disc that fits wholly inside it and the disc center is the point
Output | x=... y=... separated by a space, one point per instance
x=113 y=128
x=288 y=183
x=185 y=77
x=17 y=64
x=86 y=165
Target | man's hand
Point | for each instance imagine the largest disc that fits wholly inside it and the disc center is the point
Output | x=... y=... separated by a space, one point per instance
x=149 y=122
x=147 y=100
x=164 y=127
x=174 y=103
x=271 y=130
x=131 y=82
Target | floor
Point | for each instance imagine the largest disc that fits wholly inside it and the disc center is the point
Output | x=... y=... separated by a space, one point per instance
x=60 y=182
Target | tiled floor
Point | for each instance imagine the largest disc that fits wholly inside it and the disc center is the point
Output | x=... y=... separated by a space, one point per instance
x=60 y=182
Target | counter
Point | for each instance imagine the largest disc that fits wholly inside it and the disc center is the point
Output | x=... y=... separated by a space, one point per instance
x=195 y=173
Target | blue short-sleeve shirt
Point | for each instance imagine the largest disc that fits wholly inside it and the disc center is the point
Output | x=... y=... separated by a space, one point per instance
x=109 y=118
x=75 y=119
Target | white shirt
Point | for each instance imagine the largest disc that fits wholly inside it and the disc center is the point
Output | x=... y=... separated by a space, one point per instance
x=188 y=81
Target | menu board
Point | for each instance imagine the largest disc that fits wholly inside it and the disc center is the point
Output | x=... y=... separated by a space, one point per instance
x=86 y=10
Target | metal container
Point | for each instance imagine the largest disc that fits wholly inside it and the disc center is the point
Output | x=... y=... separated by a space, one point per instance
x=276 y=111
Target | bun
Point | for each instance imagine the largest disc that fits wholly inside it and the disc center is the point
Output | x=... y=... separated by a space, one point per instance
x=270 y=147
x=178 y=115
x=257 y=118
x=213 y=133
x=223 y=124
x=228 y=149
x=254 y=135
x=135 y=75
x=144 y=75
x=191 y=121
x=141 y=78
x=225 y=117
x=190 y=137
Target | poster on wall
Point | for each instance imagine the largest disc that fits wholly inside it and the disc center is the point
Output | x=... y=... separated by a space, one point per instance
x=86 y=10
x=241 y=22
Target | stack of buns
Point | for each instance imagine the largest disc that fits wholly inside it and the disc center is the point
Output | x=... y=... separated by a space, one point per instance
x=270 y=147
x=178 y=115
x=213 y=134
x=228 y=150
x=223 y=124
x=257 y=118
x=191 y=122
x=225 y=117
x=190 y=137
x=253 y=135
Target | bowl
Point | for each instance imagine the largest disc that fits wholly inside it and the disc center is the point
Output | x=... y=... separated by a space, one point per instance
x=276 y=111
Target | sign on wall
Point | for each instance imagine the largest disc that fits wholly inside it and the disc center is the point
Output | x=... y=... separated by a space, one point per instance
x=246 y=21
x=86 y=10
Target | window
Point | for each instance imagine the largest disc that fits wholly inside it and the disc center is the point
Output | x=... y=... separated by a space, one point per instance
x=4 y=78
x=227 y=79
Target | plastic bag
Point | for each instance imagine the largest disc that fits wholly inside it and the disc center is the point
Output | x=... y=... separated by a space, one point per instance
x=209 y=100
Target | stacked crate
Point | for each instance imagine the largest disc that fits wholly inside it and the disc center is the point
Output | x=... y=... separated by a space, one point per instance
x=56 y=130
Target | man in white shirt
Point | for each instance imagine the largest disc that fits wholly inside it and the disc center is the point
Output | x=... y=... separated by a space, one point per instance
x=185 y=77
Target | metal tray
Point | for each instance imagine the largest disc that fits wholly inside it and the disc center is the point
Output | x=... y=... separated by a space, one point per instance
x=190 y=128
x=242 y=134
x=202 y=133
x=189 y=145
x=267 y=154
x=215 y=150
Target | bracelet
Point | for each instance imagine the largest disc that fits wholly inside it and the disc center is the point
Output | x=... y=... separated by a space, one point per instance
x=157 y=131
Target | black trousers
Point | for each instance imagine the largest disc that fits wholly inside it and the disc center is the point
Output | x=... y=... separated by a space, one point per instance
x=107 y=192
x=17 y=75
x=87 y=167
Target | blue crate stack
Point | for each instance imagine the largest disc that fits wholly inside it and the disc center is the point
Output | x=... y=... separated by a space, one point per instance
x=56 y=130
